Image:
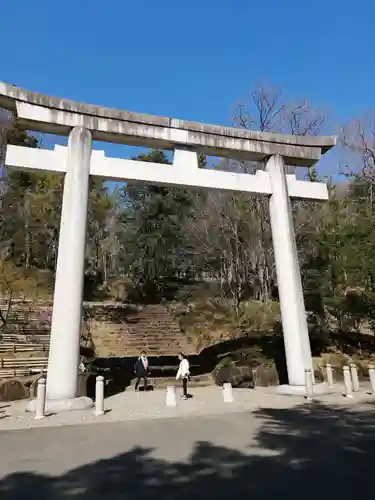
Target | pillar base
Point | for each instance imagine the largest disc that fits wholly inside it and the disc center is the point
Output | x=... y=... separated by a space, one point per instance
x=300 y=390
x=62 y=405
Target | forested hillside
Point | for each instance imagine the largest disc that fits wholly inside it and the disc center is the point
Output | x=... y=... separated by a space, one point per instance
x=154 y=243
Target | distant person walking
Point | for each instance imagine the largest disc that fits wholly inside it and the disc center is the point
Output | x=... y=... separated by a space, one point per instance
x=141 y=370
x=82 y=367
x=183 y=373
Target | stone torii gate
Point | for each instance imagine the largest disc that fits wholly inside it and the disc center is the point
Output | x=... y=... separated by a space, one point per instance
x=84 y=123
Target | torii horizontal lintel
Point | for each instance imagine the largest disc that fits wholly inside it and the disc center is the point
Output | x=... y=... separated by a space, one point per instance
x=43 y=113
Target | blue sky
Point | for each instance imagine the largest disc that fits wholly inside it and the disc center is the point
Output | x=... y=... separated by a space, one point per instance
x=194 y=59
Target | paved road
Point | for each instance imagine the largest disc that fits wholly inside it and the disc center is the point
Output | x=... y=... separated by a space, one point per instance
x=305 y=453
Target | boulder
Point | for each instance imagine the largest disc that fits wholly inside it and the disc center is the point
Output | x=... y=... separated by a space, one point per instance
x=13 y=390
x=266 y=376
x=230 y=371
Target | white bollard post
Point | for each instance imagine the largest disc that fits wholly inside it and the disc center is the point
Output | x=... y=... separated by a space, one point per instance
x=254 y=372
x=40 y=399
x=170 y=397
x=348 y=382
x=355 y=379
x=227 y=393
x=309 y=384
x=99 y=396
x=329 y=373
x=371 y=374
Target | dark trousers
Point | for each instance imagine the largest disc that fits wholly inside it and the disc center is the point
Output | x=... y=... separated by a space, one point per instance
x=145 y=382
x=184 y=386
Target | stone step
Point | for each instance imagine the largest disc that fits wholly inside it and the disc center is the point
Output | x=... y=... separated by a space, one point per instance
x=134 y=352
x=149 y=348
x=158 y=338
x=159 y=315
x=153 y=318
x=159 y=320
x=148 y=345
x=155 y=342
x=154 y=339
x=161 y=341
x=150 y=342
x=131 y=345
x=153 y=331
x=135 y=338
x=156 y=324
x=151 y=335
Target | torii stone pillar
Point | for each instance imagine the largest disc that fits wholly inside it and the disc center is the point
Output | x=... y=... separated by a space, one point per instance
x=62 y=377
x=295 y=330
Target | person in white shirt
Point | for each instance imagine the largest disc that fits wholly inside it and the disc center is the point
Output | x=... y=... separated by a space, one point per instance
x=183 y=373
x=82 y=367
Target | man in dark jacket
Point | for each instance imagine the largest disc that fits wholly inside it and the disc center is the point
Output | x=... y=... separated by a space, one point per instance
x=141 y=370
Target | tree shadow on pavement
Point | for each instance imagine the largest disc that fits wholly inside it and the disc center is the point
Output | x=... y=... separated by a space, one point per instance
x=309 y=452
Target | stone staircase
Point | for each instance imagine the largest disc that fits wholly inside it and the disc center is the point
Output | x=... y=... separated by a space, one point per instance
x=118 y=332
x=151 y=328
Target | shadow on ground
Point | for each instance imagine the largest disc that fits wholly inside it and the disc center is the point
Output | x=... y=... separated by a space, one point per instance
x=308 y=452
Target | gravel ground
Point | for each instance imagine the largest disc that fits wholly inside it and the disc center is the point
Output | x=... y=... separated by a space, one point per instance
x=285 y=449
x=129 y=406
